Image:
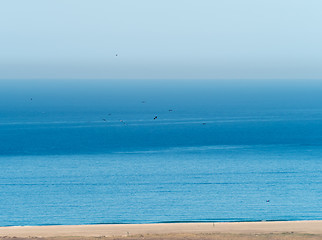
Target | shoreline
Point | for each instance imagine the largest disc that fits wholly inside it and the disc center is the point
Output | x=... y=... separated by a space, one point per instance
x=126 y=230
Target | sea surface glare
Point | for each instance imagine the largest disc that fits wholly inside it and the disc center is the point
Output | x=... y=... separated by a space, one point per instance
x=89 y=152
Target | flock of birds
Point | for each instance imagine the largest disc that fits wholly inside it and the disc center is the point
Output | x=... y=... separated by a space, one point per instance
x=122 y=121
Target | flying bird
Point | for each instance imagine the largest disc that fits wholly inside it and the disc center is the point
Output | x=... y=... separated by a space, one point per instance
x=155 y=117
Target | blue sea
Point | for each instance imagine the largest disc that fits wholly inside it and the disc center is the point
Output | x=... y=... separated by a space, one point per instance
x=94 y=151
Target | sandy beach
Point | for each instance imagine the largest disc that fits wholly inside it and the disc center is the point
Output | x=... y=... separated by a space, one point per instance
x=238 y=230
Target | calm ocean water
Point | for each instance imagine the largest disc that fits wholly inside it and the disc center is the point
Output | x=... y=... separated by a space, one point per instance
x=80 y=153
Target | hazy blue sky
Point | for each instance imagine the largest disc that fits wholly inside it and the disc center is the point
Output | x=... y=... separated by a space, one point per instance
x=161 y=39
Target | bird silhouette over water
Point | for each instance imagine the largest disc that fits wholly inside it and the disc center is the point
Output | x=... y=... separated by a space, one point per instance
x=104 y=119
x=123 y=122
x=170 y=110
x=155 y=117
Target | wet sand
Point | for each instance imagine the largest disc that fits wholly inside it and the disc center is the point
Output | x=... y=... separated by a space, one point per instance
x=239 y=230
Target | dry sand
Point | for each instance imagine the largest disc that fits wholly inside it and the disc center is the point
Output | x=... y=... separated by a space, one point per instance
x=240 y=230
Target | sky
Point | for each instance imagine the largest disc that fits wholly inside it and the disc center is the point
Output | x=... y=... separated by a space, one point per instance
x=182 y=39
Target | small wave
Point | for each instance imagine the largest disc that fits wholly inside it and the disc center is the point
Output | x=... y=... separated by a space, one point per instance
x=184 y=149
